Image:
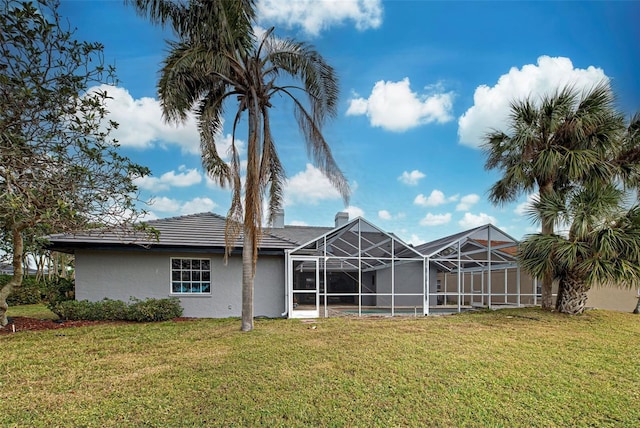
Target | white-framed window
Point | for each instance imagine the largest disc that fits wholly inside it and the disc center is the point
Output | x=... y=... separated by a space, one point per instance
x=190 y=276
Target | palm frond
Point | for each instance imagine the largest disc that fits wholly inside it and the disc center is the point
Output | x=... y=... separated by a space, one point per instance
x=160 y=12
x=209 y=115
x=303 y=62
x=319 y=149
x=272 y=172
x=550 y=208
x=235 y=215
x=536 y=254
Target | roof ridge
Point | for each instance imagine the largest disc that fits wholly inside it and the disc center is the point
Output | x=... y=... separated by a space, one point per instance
x=179 y=217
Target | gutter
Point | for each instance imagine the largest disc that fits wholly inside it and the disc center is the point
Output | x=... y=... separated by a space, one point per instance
x=286 y=284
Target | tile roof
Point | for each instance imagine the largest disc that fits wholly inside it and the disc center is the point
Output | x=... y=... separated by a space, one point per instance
x=511 y=250
x=203 y=230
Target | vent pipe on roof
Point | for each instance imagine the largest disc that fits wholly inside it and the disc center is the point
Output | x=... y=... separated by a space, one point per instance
x=342 y=218
x=278 y=220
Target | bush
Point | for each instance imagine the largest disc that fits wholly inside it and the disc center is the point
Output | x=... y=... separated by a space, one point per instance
x=32 y=292
x=75 y=310
x=26 y=294
x=116 y=310
x=60 y=290
x=29 y=293
x=154 y=309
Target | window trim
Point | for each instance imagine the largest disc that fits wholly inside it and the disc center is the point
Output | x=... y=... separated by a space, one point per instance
x=190 y=281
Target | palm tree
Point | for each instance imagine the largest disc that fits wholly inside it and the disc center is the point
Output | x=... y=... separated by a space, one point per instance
x=628 y=158
x=552 y=143
x=602 y=246
x=217 y=59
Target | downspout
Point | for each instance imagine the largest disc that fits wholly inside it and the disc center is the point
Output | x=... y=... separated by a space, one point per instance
x=490 y=268
x=286 y=284
x=426 y=286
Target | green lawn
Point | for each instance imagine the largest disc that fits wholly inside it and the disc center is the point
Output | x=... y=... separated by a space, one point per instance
x=32 y=311
x=505 y=368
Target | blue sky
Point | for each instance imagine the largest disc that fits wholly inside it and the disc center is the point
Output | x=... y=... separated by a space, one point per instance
x=421 y=82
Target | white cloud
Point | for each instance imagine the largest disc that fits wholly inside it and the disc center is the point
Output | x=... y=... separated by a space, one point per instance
x=409 y=237
x=150 y=183
x=198 y=205
x=314 y=16
x=435 y=219
x=467 y=201
x=223 y=146
x=357 y=106
x=174 y=206
x=142 y=126
x=469 y=221
x=184 y=178
x=411 y=178
x=354 y=212
x=395 y=107
x=149 y=216
x=166 y=205
x=384 y=215
x=309 y=186
x=434 y=199
x=491 y=104
x=523 y=207
x=414 y=240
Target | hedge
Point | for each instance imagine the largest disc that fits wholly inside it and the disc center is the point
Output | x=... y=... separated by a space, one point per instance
x=115 y=310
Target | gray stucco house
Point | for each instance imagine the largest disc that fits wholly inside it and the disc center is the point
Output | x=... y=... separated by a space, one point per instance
x=351 y=268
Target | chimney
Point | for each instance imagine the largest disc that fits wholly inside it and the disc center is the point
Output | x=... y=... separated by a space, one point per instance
x=278 y=220
x=342 y=218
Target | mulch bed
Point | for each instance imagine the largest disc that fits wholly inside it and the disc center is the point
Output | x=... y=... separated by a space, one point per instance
x=34 y=324
x=19 y=324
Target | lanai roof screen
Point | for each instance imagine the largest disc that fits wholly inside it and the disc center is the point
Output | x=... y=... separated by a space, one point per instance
x=472 y=248
x=359 y=239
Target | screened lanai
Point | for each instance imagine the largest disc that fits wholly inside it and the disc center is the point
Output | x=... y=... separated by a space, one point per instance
x=476 y=268
x=356 y=268
x=362 y=270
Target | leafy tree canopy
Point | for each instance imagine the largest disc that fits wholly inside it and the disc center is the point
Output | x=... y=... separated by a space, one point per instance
x=59 y=170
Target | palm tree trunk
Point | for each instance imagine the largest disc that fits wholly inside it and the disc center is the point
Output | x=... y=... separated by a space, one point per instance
x=16 y=279
x=637 y=309
x=573 y=297
x=251 y=213
x=247 y=280
x=547 y=279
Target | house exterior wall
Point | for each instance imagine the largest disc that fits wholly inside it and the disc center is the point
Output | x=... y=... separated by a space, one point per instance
x=369 y=286
x=146 y=274
x=409 y=278
x=502 y=293
x=613 y=299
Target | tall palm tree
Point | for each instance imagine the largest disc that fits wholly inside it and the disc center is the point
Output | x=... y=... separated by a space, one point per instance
x=602 y=246
x=218 y=59
x=552 y=143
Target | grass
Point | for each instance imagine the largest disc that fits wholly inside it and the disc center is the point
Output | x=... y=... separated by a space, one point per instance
x=32 y=311
x=520 y=367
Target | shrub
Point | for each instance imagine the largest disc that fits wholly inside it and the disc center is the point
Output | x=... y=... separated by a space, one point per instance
x=75 y=310
x=111 y=310
x=32 y=292
x=154 y=309
x=26 y=294
x=116 y=310
x=29 y=293
x=59 y=290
